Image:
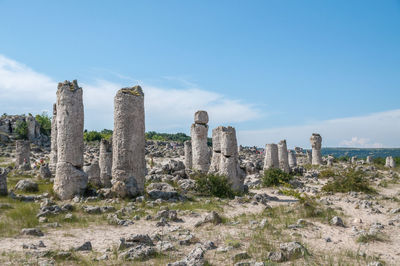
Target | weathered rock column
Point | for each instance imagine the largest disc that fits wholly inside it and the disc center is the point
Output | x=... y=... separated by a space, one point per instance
x=129 y=164
x=229 y=164
x=22 y=154
x=105 y=163
x=200 y=152
x=3 y=182
x=309 y=157
x=283 y=156
x=271 y=159
x=70 y=180
x=353 y=160
x=390 y=162
x=53 y=152
x=33 y=127
x=188 y=154
x=216 y=150
x=329 y=160
x=292 y=159
x=316 y=141
x=369 y=160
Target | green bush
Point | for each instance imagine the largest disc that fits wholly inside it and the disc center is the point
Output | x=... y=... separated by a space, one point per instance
x=343 y=159
x=379 y=161
x=327 y=173
x=275 y=177
x=22 y=130
x=351 y=180
x=97 y=136
x=45 y=123
x=213 y=185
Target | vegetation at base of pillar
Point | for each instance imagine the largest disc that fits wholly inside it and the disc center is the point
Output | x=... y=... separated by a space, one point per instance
x=382 y=160
x=22 y=130
x=45 y=123
x=275 y=177
x=213 y=185
x=351 y=180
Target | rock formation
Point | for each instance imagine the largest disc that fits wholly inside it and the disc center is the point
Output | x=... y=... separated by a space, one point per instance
x=271 y=159
x=188 y=154
x=128 y=164
x=225 y=160
x=309 y=157
x=53 y=152
x=390 y=162
x=33 y=128
x=3 y=182
x=22 y=154
x=283 y=156
x=292 y=159
x=70 y=180
x=329 y=160
x=93 y=172
x=368 y=160
x=105 y=163
x=316 y=141
x=200 y=151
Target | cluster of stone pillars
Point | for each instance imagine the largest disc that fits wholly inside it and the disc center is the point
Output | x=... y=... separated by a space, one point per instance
x=200 y=152
x=390 y=162
x=277 y=156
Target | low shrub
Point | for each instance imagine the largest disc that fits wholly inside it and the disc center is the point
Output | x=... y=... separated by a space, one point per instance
x=213 y=185
x=45 y=123
x=327 y=173
x=275 y=177
x=351 y=180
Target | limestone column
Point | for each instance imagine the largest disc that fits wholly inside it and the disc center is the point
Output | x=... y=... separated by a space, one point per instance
x=128 y=164
x=369 y=160
x=390 y=162
x=216 y=150
x=292 y=159
x=316 y=141
x=229 y=164
x=330 y=160
x=188 y=154
x=283 y=156
x=271 y=159
x=309 y=157
x=105 y=163
x=53 y=152
x=93 y=172
x=353 y=160
x=33 y=127
x=70 y=180
x=200 y=152
x=22 y=153
x=3 y=182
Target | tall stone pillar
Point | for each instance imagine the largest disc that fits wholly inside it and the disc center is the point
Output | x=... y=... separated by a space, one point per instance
x=22 y=153
x=128 y=164
x=329 y=160
x=105 y=163
x=271 y=159
x=53 y=152
x=353 y=160
x=316 y=141
x=3 y=182
x=33 y=127
x=188 y=154
x=309 y=157
x=283 y=156
x=292 y=159
x=369 y=160
x=70 y=180
x=200 y=152
x=225 y=159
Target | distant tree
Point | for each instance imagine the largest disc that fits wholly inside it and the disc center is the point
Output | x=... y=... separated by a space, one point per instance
x=45 y=123
x=21 y=130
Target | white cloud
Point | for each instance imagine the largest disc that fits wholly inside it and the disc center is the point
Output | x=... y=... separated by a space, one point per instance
x=24 y=90
x=357 y=142
x=377 y=129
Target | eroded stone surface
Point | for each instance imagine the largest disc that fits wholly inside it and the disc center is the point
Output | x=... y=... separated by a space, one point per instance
x=316 y=142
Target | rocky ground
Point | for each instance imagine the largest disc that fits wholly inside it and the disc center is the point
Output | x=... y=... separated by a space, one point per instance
x=296 y=224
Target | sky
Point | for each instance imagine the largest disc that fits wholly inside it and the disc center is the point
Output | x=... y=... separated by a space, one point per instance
x=272 y=69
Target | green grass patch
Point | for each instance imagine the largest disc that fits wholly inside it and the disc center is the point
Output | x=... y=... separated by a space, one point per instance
x=275 y=177
x=350 y=180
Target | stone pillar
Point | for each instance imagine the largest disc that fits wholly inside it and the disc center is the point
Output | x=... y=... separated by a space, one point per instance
x=292 y=159
x=353 y=160
x=200 y=152
x=53 y=152
x=229 y=161
x=271 y=159
x=329 y=160
x=105 y=163
x=70 y=180
x=3 y=182
x=216 y=150
x=128 y=164
x=309 y=157
x=369 y=160
x=33 y=127
x=316 y=141
x=188 y=154
x=390 y=162
x=283 y=156
x=22 y=153
x=93 y=172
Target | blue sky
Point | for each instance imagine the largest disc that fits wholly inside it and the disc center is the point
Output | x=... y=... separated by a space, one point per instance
x=272 y=69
